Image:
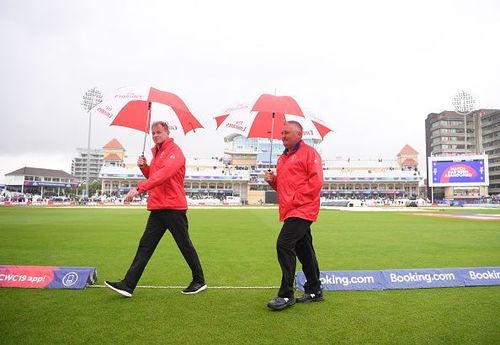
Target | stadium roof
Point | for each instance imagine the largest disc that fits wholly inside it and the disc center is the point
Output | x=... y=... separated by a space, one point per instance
x=113 y=172
x=226 y=174
x=367 y=176
x=28 y=171
x=361 y=164
x=208 y=162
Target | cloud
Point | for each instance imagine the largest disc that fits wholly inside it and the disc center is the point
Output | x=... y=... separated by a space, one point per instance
x=373 y=70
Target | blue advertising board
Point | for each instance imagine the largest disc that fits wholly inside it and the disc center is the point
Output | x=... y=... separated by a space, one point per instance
x=47 y=277
x=425 y=278
x=458 y=171
x=50 y=184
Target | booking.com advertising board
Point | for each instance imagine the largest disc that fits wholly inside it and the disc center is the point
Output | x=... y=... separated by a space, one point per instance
x=456 y=171
x=47 y=277
x=426 y=278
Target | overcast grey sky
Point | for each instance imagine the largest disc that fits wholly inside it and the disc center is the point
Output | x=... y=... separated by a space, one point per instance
x=373 y=70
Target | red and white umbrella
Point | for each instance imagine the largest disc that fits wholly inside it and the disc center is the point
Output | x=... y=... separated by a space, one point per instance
x=265 y=119
x=132 y=107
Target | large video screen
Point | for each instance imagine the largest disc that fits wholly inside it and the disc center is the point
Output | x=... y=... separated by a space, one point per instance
x=458 y=171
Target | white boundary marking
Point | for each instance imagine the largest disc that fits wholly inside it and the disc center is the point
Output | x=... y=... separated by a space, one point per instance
x=182 y=287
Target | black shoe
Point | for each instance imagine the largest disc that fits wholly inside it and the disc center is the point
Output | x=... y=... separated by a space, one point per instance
x=194 y=288
x=119 y=287
x=311 y=297
x=279 y=303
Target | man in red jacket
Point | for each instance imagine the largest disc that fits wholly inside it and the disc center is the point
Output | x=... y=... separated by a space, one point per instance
x=168 y=205
x=298 y=182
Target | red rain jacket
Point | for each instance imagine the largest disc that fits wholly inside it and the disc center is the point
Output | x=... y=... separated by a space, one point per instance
x=298 y=183
x=165 y=178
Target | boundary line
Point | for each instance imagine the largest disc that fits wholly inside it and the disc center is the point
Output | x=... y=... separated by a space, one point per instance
x=182 y=287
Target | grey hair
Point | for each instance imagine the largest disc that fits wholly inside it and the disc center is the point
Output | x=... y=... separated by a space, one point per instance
x=296 y=124
x=161 y=123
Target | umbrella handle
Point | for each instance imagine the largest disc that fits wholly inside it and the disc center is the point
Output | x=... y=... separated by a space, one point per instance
x=144 y=144
x=146 y=128
x=271 y=143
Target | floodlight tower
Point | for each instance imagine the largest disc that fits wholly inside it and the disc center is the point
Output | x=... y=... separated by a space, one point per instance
x=91 y=98
x=464 y=104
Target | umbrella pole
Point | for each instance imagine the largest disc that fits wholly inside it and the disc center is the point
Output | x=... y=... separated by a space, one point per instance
x=146 y=129
x=271 y=143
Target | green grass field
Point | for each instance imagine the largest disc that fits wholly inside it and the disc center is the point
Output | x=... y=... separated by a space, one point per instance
x=237 y=248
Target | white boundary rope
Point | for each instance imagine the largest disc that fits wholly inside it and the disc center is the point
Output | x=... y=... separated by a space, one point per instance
x=182 y=287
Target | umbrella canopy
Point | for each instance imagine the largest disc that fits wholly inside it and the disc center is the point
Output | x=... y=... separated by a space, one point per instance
x=277 y=104
x=132 y=107
x=265 y=119
x=241 y=120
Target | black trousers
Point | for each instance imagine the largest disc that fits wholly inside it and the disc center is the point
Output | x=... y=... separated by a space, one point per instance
x=158 y=222
x=295 y=241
